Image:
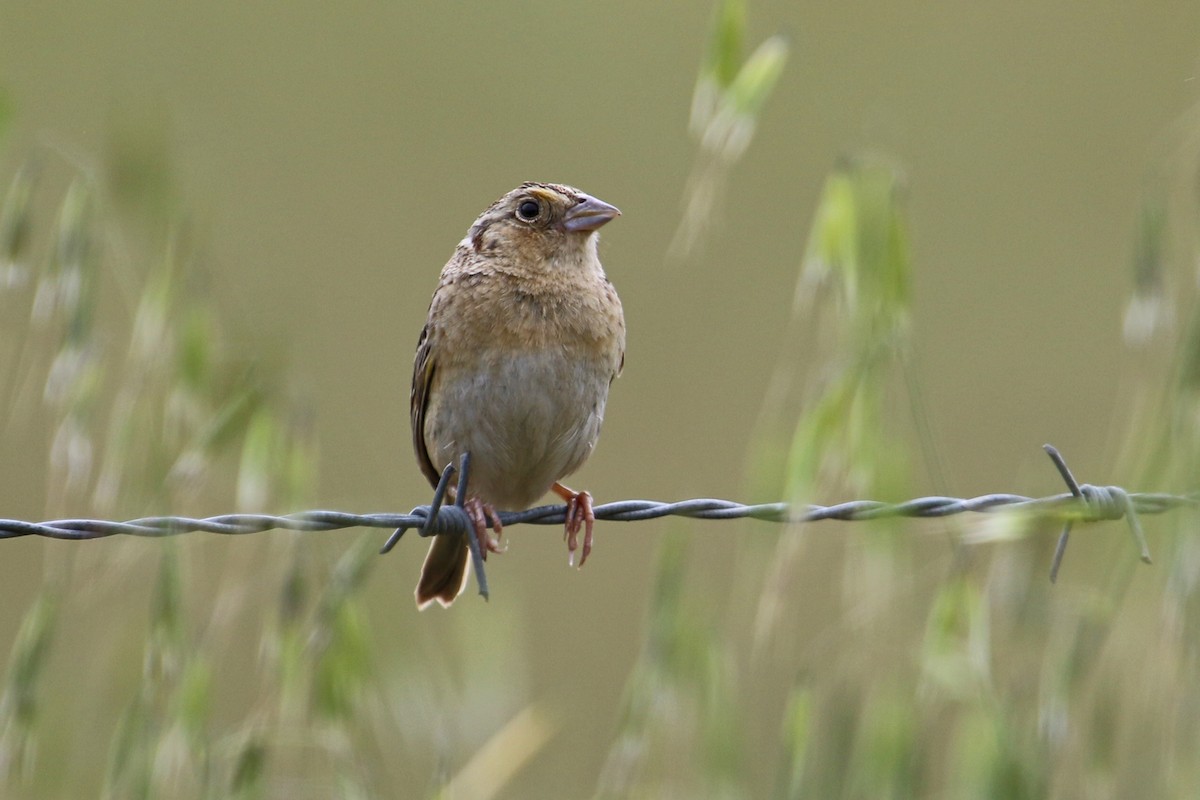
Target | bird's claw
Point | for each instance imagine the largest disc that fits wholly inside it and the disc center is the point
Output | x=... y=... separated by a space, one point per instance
x=579 y=514
x=484 y=515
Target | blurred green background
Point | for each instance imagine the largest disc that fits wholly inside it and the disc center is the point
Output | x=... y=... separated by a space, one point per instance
x=865 y=250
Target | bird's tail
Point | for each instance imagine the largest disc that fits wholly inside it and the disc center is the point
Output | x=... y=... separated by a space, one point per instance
x=444 y=573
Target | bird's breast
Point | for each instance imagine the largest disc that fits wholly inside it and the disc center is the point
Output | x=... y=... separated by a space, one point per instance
x=528 y=417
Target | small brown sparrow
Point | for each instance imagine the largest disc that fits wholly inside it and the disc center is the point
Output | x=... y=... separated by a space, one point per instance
x=524 y=336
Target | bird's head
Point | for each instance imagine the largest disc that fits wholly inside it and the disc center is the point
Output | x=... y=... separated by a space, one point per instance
x=544 y=224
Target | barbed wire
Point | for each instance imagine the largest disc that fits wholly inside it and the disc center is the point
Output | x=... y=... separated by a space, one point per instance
x=1083 y=503
x=1060 y=506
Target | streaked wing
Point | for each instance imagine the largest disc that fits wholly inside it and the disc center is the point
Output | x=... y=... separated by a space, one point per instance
x=423 y=372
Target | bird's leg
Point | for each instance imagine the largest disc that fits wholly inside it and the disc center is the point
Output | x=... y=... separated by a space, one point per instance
x=482 y=516
x=579 y=514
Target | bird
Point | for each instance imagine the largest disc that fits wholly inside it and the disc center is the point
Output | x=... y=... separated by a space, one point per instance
x=524 y=336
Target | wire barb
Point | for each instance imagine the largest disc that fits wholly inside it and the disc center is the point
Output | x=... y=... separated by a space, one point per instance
x=1104 y=502
x=460 y=497
x=452 y=520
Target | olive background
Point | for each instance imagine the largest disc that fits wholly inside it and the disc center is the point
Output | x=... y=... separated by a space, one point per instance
x=330 y=157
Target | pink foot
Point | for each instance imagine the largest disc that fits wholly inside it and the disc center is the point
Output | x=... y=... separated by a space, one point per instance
x=482 y=516
x=579 y=515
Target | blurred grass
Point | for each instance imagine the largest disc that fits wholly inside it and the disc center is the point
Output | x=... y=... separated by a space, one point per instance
x=942 y=667
x=1005 y=690
x=727 y=102
x=678 y=729
x=148 y=409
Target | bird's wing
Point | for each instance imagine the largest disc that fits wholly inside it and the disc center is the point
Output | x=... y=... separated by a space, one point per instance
x=612 y=293
x=423 y=371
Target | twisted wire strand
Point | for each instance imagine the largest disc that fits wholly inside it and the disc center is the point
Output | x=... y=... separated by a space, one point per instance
x=1083 y=503
x=1104 y=503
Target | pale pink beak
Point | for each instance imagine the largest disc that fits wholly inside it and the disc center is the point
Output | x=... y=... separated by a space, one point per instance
x=589 y=214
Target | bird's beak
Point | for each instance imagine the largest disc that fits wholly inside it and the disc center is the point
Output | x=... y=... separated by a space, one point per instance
x=589 y=214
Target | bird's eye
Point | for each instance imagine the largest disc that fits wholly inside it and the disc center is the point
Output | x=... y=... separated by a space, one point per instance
x=528 y=210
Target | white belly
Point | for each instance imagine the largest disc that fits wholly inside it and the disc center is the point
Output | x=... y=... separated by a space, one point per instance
x=527 y=421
